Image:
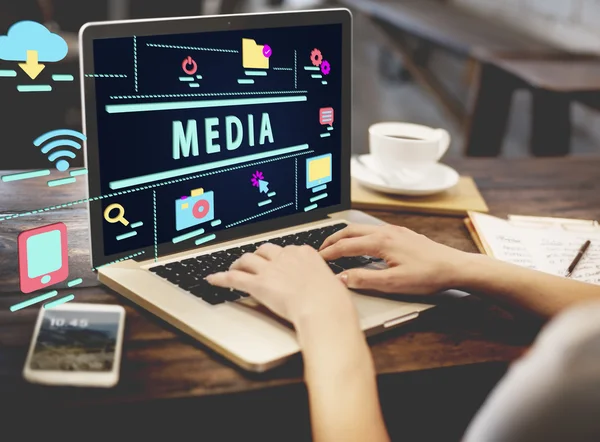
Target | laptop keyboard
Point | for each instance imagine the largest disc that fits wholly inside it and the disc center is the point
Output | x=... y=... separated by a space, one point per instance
x=189 y=273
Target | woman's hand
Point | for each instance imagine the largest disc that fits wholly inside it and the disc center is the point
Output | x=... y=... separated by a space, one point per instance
x=296 y=283
x=417 y=265
x=293 y=282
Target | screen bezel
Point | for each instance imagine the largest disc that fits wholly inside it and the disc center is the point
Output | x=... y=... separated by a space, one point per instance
x=92 y=31
x=77 y=378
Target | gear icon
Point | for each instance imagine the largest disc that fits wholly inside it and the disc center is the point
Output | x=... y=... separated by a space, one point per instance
x=325 y=67
x=316 y=57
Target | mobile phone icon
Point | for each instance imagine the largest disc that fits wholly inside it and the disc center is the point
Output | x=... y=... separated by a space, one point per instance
x=43 y=257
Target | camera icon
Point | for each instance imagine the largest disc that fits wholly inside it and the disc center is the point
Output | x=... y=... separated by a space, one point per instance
x=198 y=208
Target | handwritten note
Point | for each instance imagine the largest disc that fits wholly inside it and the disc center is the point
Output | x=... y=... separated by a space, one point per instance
x=549 y=250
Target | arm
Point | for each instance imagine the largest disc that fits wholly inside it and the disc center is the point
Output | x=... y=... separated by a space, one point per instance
x=420 y=266
x=339 y=370
x=537 y=292
x=340 y=377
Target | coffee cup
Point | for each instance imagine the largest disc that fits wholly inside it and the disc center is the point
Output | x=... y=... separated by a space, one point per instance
x=405 y=151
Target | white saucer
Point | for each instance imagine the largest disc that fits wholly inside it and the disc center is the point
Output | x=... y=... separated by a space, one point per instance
x=437 y=179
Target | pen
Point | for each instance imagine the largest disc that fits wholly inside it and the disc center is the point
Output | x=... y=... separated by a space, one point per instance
x=580 y=254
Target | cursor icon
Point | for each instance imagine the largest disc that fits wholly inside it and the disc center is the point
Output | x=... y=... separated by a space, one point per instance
x=263 y=186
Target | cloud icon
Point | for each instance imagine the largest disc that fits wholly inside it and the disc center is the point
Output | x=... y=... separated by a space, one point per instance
x=26 y=36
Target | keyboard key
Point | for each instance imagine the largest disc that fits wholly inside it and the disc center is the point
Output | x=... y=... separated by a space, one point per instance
x=335 y=268
x=352 y=262
x=229 y=295
x=249 y=248
x=190 y=282
x=236 y=251
x=207 y=293
x=277 y=241
x=213 y=300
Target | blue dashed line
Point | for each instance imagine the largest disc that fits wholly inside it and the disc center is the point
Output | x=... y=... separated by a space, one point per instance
x=119 y=260
x=296 y=175
x=192 y=48
x=283 y=69
x=203 y=94
x=257 y=216
x=165 y=183
x=295 y=73
x=106 y=75
x=135 y=61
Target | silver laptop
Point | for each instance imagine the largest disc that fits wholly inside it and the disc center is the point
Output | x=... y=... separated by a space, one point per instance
x=206 y=137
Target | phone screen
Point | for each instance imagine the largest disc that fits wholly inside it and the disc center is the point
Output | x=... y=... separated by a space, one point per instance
x=44 y=253
x=71 y=340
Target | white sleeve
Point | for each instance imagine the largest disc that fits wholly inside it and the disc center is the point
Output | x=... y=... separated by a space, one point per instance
x=553 y=393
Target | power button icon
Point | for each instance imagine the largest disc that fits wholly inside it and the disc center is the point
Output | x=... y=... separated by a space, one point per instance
x=189 y=66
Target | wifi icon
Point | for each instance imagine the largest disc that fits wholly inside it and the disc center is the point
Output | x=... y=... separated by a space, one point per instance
x=55 y=149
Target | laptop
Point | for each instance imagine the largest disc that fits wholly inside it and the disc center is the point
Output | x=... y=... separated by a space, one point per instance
x=206 y=137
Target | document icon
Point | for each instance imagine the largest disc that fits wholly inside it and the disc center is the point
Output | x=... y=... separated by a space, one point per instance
x=252 y=55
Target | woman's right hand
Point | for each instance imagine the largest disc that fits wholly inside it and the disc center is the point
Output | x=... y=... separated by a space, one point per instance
x=417 y=265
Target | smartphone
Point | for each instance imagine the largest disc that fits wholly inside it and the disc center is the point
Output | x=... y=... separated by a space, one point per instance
x=76 y=344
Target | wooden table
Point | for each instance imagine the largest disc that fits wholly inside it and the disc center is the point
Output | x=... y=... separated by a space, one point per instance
x=441 y=366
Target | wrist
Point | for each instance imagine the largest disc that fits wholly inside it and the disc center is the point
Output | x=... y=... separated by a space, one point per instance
x=467 y=270
x=330 y=308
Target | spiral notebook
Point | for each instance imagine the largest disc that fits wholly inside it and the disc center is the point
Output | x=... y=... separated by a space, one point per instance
x=545 y=244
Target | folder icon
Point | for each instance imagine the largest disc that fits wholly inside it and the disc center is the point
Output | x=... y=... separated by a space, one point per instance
x=252 y=55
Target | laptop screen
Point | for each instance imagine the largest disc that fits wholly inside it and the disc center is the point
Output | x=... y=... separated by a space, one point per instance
x=199 y=133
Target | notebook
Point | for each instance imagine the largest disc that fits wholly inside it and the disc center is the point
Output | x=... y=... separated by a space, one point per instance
x=545 y=244
x=455 y=202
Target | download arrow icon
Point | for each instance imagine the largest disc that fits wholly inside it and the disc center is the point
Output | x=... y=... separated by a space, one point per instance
x=31 y=66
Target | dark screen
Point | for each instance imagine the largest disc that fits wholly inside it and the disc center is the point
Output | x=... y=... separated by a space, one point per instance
x=191 y=146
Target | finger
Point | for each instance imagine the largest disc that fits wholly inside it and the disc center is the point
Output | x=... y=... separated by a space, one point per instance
x=250 y=263
x=352 y=231
x=364 y=245
x=269 y=251
x=234 y=279
x=386 y=281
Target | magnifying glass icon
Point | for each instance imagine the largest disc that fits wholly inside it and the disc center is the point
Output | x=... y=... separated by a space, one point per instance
x=120 y=215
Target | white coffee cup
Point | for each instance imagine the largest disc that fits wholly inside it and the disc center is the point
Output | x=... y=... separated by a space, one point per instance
x=405 y=151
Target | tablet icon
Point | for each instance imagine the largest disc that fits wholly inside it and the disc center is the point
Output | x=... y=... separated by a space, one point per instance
x=120 y=218
x=43 y=257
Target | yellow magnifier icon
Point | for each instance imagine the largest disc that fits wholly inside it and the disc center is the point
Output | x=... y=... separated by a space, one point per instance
x=120 y=215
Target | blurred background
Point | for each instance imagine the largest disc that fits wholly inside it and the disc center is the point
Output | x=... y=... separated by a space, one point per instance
x=505 y=77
